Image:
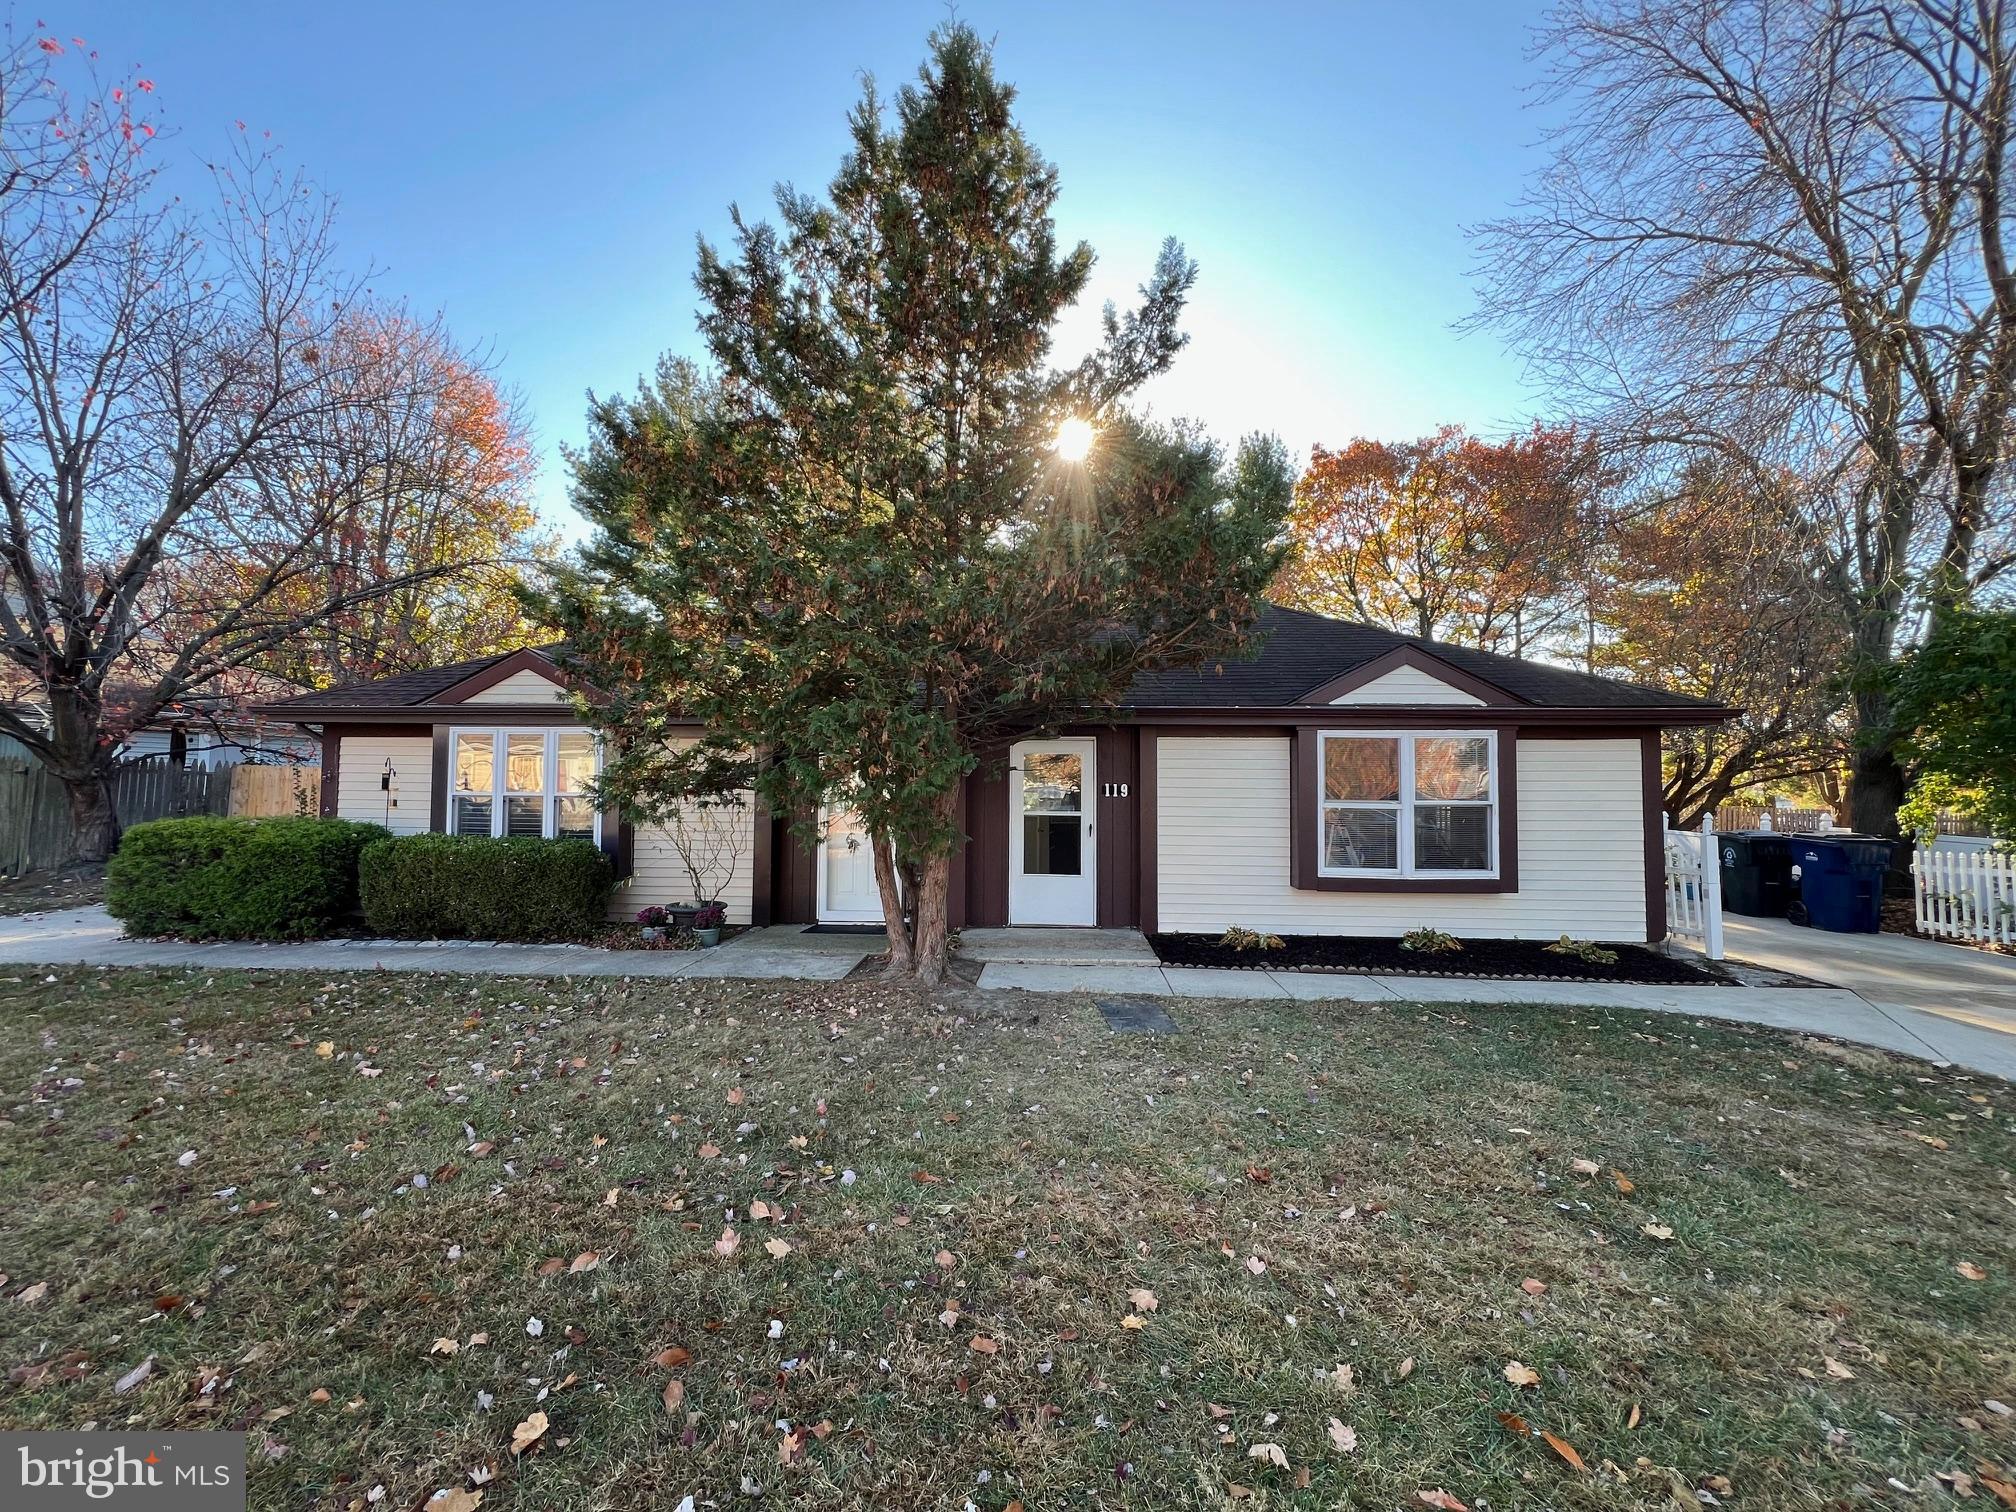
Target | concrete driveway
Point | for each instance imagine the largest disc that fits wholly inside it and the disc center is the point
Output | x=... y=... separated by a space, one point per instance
x=1973 y=991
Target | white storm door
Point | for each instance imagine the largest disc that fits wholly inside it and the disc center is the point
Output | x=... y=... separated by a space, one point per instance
x=846 y=884
x=1052 y=868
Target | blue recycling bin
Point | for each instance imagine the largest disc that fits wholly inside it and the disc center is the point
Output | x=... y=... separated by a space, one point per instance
x=1841 y=881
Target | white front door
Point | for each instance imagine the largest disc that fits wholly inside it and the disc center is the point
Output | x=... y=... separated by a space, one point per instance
x=846 y=887
x=1052 y=873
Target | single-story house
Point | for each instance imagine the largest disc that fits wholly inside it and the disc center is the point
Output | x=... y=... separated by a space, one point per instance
x=1346 y=780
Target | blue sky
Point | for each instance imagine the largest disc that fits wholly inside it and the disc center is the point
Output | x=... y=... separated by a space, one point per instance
x=539 y=172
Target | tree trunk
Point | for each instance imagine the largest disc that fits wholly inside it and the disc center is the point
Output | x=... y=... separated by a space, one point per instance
x=1876 y=781
x=1875 y=788
x=933 y=932
x=901 y=956
x=94 y=824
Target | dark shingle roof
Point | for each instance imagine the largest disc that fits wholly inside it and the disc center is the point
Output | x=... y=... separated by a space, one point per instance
x=403 y=691
x=1303 y=651
x=1298 y=653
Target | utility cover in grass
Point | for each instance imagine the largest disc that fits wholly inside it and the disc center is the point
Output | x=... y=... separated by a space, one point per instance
x=1134 y=1016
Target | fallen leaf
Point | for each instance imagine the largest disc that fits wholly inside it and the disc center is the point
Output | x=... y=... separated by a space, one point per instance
x=925 y=1178
x=460 y=1499
x=326 y=1049
x=981 y=1344
x=552 y=1267
x=1837 y=1370
x=587 y=1260
x=1441 y=1500
x=32 y=1294
x=675 y=1394
x=1133 y=1321
x=1405 y=1370
x=1273 y=1454
x=1255 y=1264
x=725 y=1245
x=1657 y=1231
x=444 y=1347
x=1624 y=1183
x=1971 y=1271
x=1522 y=1375
x=1586 y=1167
x=320 y=1394
x=946 y=1259
x=1218 y=1414
x=734 y=1097
x=1563 y=1448
x=133 y=1377
x=1635 y=1418
x=528 y=1433
x=1345 y=1379
x=777 y=1249
x=761 y=1211
x=709 y=1150
x=1143 y=1299
x=1516 y=1424
x=1533 y=1288
x=481 y=1148
x=1343 y=1437
x=671 y=1357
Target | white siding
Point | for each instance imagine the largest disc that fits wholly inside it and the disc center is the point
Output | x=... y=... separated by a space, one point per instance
x=527 y=687
x=360 y=765
x=657 y=877
x=1407 y=685
x=1222 y=849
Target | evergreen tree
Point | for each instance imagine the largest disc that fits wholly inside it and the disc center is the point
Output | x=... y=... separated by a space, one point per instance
x=880 y=532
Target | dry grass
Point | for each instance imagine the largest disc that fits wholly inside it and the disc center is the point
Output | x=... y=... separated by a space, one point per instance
x=1399 y=1173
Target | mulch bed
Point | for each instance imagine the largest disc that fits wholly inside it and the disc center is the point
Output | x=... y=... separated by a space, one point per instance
x=1478 y=958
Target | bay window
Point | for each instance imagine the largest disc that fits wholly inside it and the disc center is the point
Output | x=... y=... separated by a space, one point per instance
x=523 y=782
x=1406 y=804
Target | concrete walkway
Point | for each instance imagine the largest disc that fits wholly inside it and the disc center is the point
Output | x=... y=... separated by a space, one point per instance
x=91 y=937
x=1107 y=962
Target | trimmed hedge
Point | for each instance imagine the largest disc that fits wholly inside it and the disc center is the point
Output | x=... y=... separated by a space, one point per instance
x=237 y=879
x=428 y=887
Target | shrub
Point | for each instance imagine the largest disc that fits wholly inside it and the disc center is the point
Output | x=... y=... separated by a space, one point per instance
x=1430 y=942
x=1587 y=951
x=237 y=879
x=475 y=888
x=655 y=916
x=1238 y=937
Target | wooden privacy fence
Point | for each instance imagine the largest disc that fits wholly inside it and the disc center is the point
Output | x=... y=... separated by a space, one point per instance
x=1965 y=894
x=276 y=792
x=35 y=811
x=1786 y=821
x=1694 y=887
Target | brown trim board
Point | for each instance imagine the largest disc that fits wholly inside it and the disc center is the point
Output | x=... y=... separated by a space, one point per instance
x=506 y=667
x=1147 y=830
x=1653 y=802
x=437 y=796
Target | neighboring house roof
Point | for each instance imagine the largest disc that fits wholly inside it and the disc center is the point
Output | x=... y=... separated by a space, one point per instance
x=1302 y=658
x=405 y=690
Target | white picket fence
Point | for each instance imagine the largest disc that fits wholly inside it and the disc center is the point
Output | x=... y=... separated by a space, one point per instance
x=1965 y=894
x=1694 y=887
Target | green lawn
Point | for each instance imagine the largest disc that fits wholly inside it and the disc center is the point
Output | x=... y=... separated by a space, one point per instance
x=1012 y=1256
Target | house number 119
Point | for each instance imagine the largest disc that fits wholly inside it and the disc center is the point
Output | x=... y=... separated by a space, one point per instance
x=1115 y=789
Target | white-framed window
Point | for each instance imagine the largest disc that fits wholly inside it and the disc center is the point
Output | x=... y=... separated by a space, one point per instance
x=523 y=782
x=1407 y=803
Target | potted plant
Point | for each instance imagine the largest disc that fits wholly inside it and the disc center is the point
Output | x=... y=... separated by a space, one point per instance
x=710 y=836
x=654 y=919
x=707 y=922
